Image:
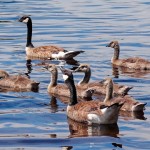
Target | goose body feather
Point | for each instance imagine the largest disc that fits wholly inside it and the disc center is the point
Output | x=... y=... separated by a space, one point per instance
x=17 y=81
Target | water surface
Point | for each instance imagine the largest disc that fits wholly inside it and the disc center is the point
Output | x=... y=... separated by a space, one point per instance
x=31 y=120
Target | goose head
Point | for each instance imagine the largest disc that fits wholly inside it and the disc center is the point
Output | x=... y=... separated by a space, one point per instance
x=51 y=68
x=3 y=74
x=113 y=44
x=25 y=19
x=82 y=68
x=67 y=74
x=106 y=81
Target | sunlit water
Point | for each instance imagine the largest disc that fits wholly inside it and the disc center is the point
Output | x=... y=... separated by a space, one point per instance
x=29 y=119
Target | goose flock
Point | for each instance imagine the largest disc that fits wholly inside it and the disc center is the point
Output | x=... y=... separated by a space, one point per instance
x=110 y=98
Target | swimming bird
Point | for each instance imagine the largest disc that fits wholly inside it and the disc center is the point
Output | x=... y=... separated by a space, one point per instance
x=90 y=112
x=61 y=89
x=17 y=82
x=46 y=52
x=130 y=104
x=98 y=85
x=133 y=62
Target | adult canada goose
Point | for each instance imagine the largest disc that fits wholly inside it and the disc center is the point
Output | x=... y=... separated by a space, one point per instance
x=61 y=89
x=134 y=62
x=130 y=104
x=17 y=82
x=98 y=85
x=90 y=112
x=51 y=51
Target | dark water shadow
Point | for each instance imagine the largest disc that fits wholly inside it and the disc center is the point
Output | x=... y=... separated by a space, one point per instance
x=83 y=130
x=116 y=71
x=44 y=62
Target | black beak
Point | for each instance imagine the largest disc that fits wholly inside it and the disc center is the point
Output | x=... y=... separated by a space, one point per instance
x=108 y=45
x=46 y=67
x=74 y=69
x=102 y=82
x=20 y=20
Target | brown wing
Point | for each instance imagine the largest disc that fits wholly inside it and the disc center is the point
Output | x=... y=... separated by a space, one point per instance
x=136 y=63
x=80 y=111
x=127 y=100
x=44 y=51
x=16 y=81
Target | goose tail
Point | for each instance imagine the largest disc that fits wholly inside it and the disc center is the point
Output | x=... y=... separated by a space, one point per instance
x=124 y=91
x=139 y=107
x=72 y=54
x=35 y=86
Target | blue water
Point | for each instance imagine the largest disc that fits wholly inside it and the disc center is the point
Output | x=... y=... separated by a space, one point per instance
x=31 y=120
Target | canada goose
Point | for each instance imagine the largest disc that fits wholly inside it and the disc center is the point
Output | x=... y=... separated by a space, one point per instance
x=134 y=62
x=97 y=85
x=61 y=89
x=130 y=104
x=90 y=112
x=17 y=82
x=51 y=51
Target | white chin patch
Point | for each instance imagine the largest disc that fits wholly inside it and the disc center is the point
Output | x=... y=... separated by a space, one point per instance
x=26 y=20
x=65 y=77
x=104 y=110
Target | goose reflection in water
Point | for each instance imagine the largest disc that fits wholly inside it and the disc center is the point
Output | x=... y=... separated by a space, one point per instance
x=47 y=61
x=116 y=71
x=83 y=130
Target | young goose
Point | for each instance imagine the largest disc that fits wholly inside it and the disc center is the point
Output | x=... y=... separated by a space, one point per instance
x=97 y=85
x=62 y=89
x=130 y=104
x=18 y=82
x=134 y=62
x=51 y=51
x=90 y=112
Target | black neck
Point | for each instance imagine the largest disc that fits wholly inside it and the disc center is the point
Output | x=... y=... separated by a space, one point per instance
x=29 y=34
x=73 y=94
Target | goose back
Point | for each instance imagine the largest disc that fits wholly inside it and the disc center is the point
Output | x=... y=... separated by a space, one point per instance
x=18 y=82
